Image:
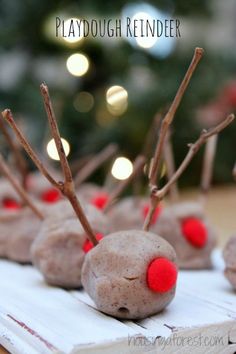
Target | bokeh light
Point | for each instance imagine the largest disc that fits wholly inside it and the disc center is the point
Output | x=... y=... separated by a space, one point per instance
x=52 y=150
x=77 y=36
x=117 y=100
x=83 y=102
x=143 y=41
x=160 y=47
x=77 y=64
x=122 y=168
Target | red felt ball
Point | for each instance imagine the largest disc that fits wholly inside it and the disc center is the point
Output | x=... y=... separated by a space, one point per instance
x=195 y=232
x=161 y=275
x=88 y=244
x=51 y=195
x=100 y=200
x=155 y=215
x=12 y=204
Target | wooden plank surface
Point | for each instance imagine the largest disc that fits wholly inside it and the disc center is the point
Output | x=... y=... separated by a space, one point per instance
x=38 y=319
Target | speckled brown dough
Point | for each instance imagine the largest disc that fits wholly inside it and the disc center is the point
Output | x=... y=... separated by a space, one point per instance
x=37 y=183
x=168 y=226
x=7 y=191
x=229 y=255
x=9 y=220
x=58 y=250
x=114 y=274
x=88 y=191
x=23 y=233
x=22 y=228
x=127 y=214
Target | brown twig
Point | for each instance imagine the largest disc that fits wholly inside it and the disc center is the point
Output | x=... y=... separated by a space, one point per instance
x=7 y=115
x=95 y=162
x=56 y=135
x=19 y=160
x=152 y=135
x=66 y=187
x=164 y=129
x=171 y=112
x=137 y=168
x=170 y=166
x=193 y=149
x=19 y=189
x=207 y=170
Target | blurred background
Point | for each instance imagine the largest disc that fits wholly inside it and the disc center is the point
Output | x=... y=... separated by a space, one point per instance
x=109 y=89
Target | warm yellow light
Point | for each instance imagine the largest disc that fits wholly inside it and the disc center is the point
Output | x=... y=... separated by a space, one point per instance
x=71 y=22
x=117 y=100
x=77 y=64
x=122 y=168
x=116 y=94
x=52 y=150
x=142 y=40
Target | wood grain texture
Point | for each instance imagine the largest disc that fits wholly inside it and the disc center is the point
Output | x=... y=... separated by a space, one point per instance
x=38 y=319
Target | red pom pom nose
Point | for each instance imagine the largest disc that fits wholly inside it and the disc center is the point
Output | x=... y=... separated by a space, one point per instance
x=51 y=195
x=88 y=244
x=195 y=232
x=12 y=204
x=100 y=200
x=161 y=275
x=155 y=215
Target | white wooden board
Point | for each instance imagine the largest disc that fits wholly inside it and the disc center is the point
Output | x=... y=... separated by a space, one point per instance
x=38 y=319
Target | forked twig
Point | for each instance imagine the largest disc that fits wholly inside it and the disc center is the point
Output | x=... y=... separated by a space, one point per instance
x=198 y=53
x=170 y=166
x=94 y=163
x=56 y=136
x=66 y=187
x=137 y=168
x=7 y=115
x=164 y=129
x=193 y=149
x=152 y=135
x=19 y=189
x=19 y=160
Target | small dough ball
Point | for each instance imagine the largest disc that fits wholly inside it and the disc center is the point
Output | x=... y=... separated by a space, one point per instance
x=229 y=255
x=23 y=227
x=42 y=189
x=9 y=198
x=116 y=274
x=59 y=250
x=186 y=228
x=128 y=214
x=23 y=233
x=8 y=226
x=89 y=191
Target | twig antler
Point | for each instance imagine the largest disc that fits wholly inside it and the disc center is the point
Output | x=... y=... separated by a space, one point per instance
x=193 y=149
x=208 y=162
x=66 y=187
x=137 y=168
x=170 y=166
x=95 y=162
x=152 y=135
x=163 y=131
x=19 y=189
x=19 y=160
